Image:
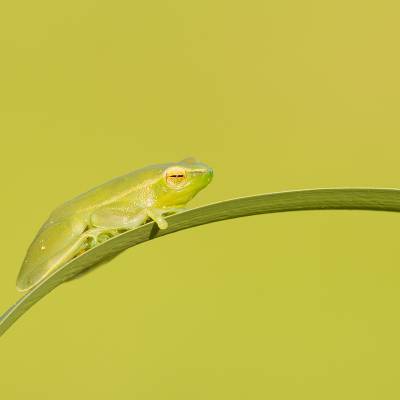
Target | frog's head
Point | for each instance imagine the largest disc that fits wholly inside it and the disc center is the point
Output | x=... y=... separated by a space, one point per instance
x=181 y=181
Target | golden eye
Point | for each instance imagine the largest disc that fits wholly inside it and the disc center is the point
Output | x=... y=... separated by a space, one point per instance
x=175 y=177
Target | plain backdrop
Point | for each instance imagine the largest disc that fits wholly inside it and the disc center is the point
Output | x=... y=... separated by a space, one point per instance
x=274 y=96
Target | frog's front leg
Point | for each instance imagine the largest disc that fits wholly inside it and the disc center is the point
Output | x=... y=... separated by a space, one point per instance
x=157 y=215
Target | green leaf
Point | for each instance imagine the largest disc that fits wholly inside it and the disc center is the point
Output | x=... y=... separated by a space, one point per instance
x=313 y=199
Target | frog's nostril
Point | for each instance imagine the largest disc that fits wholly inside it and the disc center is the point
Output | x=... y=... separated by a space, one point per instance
x=210 y=174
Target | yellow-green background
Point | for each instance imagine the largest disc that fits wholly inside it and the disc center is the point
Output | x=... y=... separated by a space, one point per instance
x=275 y=95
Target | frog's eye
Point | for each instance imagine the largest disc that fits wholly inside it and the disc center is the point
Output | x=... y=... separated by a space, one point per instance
x=175 y=177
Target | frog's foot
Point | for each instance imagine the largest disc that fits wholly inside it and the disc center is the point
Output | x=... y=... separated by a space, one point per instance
x=94 y=236
x=157 y=215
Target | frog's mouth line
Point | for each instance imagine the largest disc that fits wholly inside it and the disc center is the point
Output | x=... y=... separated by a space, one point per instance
x=199 y=171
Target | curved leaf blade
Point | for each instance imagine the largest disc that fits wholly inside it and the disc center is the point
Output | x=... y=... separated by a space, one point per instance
x=299 y=200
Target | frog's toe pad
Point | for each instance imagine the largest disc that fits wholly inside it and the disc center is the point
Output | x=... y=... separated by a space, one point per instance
x=162 y=224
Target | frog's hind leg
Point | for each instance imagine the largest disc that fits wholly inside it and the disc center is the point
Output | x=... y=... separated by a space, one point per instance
x=55 y=244
x=110 y=222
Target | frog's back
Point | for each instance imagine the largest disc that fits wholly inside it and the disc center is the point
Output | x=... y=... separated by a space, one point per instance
x=123 y=187
x=58 y=238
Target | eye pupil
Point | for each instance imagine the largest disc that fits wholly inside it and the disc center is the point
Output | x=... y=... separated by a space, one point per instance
x=175 y=178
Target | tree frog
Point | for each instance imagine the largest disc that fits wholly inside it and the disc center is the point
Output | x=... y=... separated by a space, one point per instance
x=118 y=205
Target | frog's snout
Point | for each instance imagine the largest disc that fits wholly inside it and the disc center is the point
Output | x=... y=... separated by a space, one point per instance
x=210 y=174
x=202 y=174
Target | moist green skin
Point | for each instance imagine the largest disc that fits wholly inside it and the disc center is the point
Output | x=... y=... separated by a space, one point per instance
x=118 y=205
